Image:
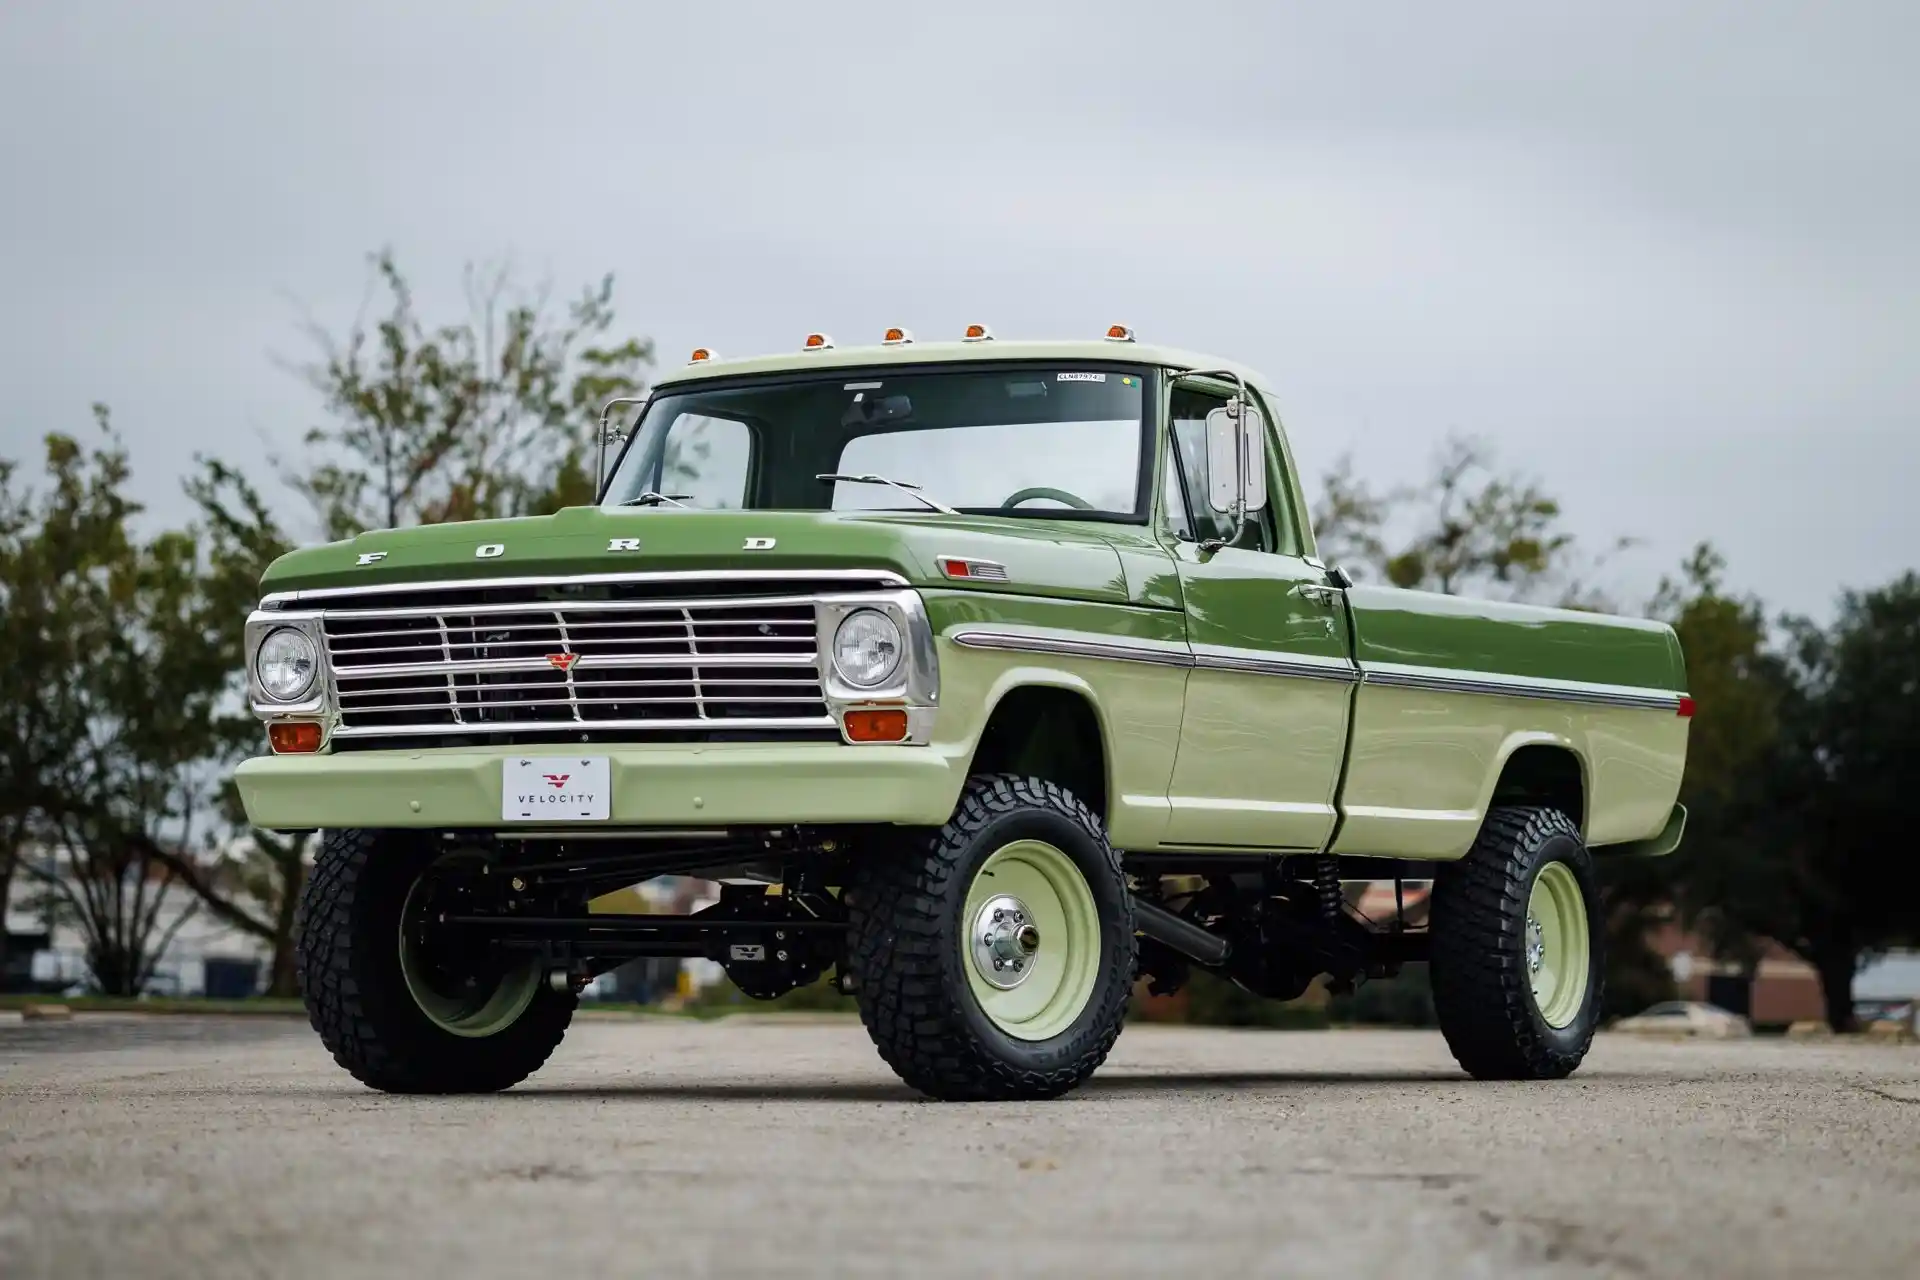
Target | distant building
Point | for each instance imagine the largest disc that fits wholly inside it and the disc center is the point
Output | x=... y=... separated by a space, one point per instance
x=205 y=956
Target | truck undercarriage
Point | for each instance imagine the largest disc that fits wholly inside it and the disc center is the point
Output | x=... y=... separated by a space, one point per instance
x=1271 y=925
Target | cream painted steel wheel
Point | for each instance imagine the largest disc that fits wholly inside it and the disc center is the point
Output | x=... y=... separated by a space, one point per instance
x=1033 y=940
x=1557 y=952
x=461 y=1007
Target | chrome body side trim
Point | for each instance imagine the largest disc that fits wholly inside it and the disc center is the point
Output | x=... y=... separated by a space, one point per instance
x=1441 y=680
x=1075 y=646
x=1298 y=666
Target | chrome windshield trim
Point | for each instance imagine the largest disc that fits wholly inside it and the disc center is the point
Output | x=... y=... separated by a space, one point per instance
x=879 y=577
x=1442 y=680
x=1075 y=646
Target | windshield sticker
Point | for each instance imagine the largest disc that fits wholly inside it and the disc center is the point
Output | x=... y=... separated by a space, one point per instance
x=1081 y=377
x=862 y=386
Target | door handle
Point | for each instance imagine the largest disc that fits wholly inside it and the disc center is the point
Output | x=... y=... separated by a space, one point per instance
x=1314 y=593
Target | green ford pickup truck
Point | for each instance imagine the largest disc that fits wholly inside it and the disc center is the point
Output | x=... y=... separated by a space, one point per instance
x=989 y=678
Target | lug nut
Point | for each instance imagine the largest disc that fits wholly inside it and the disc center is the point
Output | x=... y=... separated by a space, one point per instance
x=518 y=884
x=779 y=955
x=998 y=915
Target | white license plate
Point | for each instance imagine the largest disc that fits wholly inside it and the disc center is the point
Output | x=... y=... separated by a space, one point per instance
x=554 y=789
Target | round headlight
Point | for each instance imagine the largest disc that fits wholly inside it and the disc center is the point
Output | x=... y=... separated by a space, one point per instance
x=286 y=664
x=866 y=648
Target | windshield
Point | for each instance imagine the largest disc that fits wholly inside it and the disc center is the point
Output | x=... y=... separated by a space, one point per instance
x=1029 y=440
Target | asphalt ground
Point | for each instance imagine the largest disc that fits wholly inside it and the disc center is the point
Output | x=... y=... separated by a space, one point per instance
x=175 y=1146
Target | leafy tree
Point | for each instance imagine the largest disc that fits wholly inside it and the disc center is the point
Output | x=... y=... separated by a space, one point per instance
x=1737 y=682
x=249 y=879
x=111 y=694
x=1800 y=751
x=490 y=415
x=54 y=547
x=1467 y=530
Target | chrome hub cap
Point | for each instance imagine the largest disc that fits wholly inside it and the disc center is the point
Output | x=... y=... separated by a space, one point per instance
x=1005 y=942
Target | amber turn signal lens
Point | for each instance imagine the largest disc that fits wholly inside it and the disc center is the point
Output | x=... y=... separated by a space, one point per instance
x=887 y=725
x=294 y=737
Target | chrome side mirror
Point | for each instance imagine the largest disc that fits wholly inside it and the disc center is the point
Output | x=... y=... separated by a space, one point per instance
x=1236 y=459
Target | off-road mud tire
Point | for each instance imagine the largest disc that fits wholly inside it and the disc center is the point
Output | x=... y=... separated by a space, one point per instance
x=905 y=911
x=357 y=999
x=1481 y=990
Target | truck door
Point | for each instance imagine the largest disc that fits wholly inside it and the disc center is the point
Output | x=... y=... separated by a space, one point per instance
x=1265 y=724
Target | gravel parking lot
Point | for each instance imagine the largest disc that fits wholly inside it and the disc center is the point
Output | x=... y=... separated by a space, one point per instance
x=233 y=1147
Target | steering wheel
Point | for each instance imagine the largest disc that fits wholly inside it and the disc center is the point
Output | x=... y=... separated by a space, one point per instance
x=1041 y=491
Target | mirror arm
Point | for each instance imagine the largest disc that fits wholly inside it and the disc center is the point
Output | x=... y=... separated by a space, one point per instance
x=602 y=435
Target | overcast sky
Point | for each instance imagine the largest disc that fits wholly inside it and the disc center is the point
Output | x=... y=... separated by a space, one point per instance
x=1665 y=257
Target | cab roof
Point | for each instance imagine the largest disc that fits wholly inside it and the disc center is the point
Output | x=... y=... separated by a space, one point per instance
x=916 y=353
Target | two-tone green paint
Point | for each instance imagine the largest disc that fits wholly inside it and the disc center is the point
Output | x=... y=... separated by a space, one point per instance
x=1243 y=704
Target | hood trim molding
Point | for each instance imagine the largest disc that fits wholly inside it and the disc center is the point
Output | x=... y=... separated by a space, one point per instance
x=874 y=577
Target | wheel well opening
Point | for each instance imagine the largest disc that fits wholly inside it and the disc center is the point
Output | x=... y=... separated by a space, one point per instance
x=1544 y=775
x=1051 y=734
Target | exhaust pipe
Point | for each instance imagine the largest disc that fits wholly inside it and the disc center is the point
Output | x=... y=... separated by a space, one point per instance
x=1184 y=936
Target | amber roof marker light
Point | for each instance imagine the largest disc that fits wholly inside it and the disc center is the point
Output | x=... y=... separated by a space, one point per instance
x=1119 y=333
x=817 y=342
x=977 y=333
x=701 y=355
x=897 y=338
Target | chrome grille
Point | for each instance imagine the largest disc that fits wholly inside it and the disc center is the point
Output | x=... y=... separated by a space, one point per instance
x=467 y=666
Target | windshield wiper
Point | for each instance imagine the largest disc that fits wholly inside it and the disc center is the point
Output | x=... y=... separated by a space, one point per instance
x=912 y=490
x=652 y=499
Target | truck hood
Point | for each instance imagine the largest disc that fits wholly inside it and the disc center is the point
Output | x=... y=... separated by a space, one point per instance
x=1043 y=557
